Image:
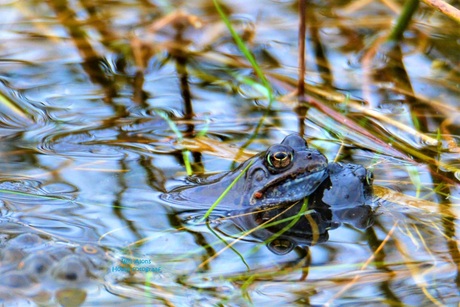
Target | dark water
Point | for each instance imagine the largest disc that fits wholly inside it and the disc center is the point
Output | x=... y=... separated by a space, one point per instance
x=93 y=91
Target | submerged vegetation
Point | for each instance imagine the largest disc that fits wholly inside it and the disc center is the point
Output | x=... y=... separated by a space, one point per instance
x=104 y=105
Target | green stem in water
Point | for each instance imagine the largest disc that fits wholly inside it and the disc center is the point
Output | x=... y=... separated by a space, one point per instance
x=214 y=205
x=241 y=45
x=403 y=21
x=185 y=152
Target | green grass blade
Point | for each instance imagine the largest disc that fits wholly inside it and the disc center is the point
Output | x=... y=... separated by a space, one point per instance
x=229 y=246
x=214 y=205
x=242 y=46
x=185 y=152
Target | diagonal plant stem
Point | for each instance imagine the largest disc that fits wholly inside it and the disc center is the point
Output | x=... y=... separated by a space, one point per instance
x=364 y=266
x=231 y=247
x=268 y=223
x=403 y=21
x=214 y=205
x=185 y=152
x=445 y=8
x=242 y=46
x=247 y=53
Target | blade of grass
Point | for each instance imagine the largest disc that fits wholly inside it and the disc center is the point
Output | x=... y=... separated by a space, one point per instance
x=322 y=104
x=416 y=274
x=231 y=247
x=185 y=152
x=219 y=199
x=295 y=219
x=255 y=85
x=246 y=233
x=384 y=118
x=242 y=46
x=415 y=178
x=238 y=236
x=364 y=266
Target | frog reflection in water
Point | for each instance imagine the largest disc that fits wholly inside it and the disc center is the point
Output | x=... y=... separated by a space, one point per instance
x=284 y=173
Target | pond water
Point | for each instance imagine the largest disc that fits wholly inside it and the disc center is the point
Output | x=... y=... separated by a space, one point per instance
x=103 y=102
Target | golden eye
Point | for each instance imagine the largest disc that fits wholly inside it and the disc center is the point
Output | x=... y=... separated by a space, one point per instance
x=279 y=159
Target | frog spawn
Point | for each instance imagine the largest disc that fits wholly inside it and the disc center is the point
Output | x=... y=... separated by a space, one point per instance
x=33 y=266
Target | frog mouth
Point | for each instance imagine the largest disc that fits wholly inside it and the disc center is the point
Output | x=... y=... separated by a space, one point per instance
x=294 y=188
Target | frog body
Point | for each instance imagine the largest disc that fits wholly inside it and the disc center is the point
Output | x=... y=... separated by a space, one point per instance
x=284 y=173
x=350 y=185
x=278 y=184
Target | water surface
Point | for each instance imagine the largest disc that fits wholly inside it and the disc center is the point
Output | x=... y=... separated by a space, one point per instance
x=87 y=146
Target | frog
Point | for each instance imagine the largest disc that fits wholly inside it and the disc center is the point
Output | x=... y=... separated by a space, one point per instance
x=278 y=183
x=284 y=173
x=344 y=197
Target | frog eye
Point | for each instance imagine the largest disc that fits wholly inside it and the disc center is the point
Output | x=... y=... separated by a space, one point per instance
x=279 y=159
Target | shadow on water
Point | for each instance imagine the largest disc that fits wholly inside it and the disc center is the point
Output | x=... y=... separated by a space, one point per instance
x=106 y=106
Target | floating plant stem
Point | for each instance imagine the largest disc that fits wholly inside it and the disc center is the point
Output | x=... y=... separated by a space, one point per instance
x=246 y=233
x=272 y=222
x=445 y=8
